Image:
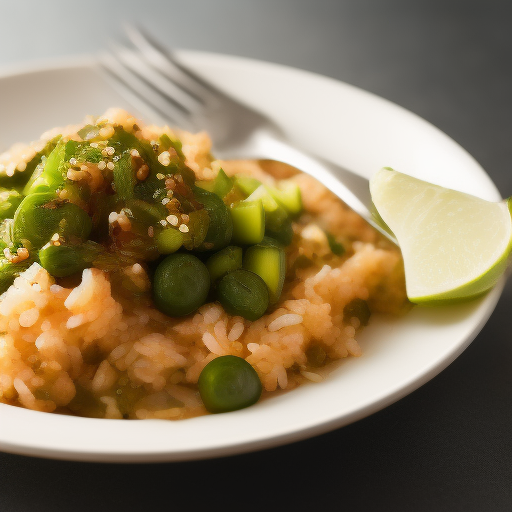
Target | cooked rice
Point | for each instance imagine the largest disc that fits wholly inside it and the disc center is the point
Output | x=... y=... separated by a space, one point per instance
x=89 y=350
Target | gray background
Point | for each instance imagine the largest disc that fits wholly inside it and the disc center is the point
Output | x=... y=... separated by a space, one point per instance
x=447 y=446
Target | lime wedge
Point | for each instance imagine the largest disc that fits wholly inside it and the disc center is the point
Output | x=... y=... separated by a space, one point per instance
x=455 y=246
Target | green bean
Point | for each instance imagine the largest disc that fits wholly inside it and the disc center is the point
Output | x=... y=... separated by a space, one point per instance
x=40 y=216
x=62 y=260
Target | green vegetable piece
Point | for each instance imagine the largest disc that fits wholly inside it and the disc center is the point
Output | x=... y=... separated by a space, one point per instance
x=10 y=271
x=284 y=234
x=180 y=284
x=51 y=176
x=40 y=216
x=246 y=184
x=220 y=229
x=357 y=308
x=9 y=202
x=124 y=177
x=334 y=245
x=165 y=142
x=20 y=178
x=62 y=260
x=243 y=293
x=248 y=222
x=229 y=383
x=169 y=241
x=89 y=132
x=316 y=356
x=288 y=195
x=220 y=186
x=275 y=215
x=267 y=259
x=198 y=225
x=224 y=261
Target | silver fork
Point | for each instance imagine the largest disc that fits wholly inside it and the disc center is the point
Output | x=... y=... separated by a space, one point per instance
x=154 y=80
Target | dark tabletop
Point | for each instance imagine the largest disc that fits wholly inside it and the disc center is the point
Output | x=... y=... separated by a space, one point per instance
x=448 y=445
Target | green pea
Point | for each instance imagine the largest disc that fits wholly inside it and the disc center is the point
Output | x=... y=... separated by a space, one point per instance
x=169 y=241
x=243 y=293
x=61 y=260
x=180 y=284
x=224 y=261
x=220 y=229
x=229 y=383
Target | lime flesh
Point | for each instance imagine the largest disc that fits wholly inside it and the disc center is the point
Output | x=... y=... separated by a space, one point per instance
x=455 y=246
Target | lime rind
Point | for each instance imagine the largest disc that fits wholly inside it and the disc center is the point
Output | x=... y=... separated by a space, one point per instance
x=418 y=213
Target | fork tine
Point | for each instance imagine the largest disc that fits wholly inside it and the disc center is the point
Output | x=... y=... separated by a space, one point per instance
x=167 y=63
x=138 y=65
x=140 y=94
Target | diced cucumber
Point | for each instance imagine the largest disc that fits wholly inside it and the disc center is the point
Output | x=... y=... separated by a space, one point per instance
x=220 y=185
x=248 y=222
x=275 y=215
x=288 y=195
x=246 y=184
x=224 y=261
x=267 y=259
x=169 y=241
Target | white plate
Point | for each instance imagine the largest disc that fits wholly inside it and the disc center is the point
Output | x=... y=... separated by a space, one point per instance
x=344 y=124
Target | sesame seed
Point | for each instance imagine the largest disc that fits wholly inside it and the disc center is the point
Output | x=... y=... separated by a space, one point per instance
x=164 y=158
x=160 y=176
x=134 y=153
x=110 y=166
x=185 y=218
x=72 y=161
x=104 y=152
x=10 y=169
x=107 y=131
x=163 y=222
x=172 y=220
x=183 y=228
x=83 y=167
x=102 y=165
x=165 y=200
x=55 y=237
x=112 y=217
x=94 y=144
x=110 y=150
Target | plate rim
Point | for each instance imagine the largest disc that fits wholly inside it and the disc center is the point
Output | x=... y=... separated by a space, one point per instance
x=84 y=454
